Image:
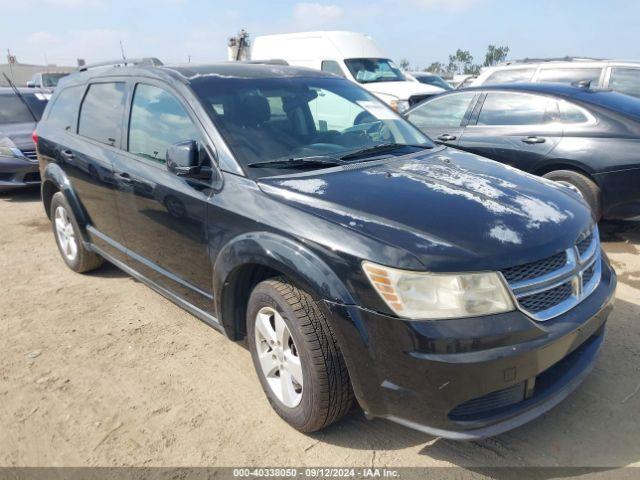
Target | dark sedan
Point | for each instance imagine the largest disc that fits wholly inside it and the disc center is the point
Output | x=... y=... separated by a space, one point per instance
x=586 y=138
x=18 y=118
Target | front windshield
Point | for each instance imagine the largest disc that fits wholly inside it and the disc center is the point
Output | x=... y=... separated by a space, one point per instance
x=266 y=119
x=434 y=80
x=369 y=70
x=51 y=79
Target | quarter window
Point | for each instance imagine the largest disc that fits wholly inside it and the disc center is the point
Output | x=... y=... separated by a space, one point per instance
x=157 y=121
x=511 y=75
x=569 y=75
x=101 y=112
x=517 y=109
x=331 y=66
x=64 y=110
x=625 y=80
x=572 y=114
x=447 y=111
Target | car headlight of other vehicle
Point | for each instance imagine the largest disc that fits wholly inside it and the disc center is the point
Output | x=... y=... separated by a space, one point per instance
x=399 y=106
x=10 y=152
x=432 y=296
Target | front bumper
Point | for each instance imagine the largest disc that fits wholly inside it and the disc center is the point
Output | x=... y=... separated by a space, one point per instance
x=471 y=378
x=18 y=173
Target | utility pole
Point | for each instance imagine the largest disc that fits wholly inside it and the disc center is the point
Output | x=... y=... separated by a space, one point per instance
x=122 y=51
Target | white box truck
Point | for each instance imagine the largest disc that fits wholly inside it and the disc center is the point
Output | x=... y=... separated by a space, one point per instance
x=349 y=54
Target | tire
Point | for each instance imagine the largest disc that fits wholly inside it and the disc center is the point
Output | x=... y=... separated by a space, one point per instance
x=78 y=258
x=587 y=188
x=325 y=394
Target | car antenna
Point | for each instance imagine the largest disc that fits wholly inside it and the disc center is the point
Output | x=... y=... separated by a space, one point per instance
x=19 y=95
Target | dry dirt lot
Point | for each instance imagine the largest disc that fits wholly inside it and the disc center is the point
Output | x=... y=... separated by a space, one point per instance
x=100 y=370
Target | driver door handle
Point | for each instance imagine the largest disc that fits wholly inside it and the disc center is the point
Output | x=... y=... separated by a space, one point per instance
x=533 y=140
x=68 y=154
x=125 y=177
x=446 y=137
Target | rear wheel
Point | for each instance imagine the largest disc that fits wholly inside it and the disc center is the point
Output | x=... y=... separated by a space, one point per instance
x=65 y=228
x=583 y=185
x=296 y=356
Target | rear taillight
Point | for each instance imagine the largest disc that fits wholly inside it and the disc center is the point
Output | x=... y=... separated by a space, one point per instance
x=34 y=135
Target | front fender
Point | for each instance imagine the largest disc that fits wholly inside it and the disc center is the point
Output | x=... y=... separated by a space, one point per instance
x=283 y=254
x=55 y=179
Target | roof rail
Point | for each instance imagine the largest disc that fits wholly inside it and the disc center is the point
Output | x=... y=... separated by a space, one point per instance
x=271 y=61
x=141 y=62
x=553 y=59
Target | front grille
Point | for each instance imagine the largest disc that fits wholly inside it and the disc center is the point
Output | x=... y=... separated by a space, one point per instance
x=488 y=404
x=549 y=298
x=30 y=154
x=588 y=274
x=549 y=287
x=535 y=269
x=583 y=245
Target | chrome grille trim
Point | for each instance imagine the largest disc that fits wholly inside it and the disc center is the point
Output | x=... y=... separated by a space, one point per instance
x=572 y=272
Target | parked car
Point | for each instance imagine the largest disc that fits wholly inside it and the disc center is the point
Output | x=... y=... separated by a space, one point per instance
x=582 y=137
x=447 y=292
x=46 y=80
x=18 y=117
x=351 y=55
x=429 y=79
x=623 y=77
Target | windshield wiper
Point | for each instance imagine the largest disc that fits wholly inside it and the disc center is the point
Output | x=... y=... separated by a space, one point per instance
x=381 y=147
x=318 y=160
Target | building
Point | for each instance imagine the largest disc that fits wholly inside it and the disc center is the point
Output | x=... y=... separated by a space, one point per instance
x=21 y=73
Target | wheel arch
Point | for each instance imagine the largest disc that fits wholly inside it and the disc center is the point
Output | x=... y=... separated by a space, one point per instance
x=55 y=180
x=564 y=164
x=254 y=257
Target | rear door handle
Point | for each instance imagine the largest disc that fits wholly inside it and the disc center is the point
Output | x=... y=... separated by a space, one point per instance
x=446 y=137
x=533 y=139
x=68 y=154
x=125 y=177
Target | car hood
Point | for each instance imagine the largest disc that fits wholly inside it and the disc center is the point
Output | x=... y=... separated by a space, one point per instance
x=453 y=210
x=19 y=134
x=402 y=90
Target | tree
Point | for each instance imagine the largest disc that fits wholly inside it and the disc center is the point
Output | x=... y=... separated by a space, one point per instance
x=404 y=64
x=495 y=55
x=436 y=67
x=460 y=62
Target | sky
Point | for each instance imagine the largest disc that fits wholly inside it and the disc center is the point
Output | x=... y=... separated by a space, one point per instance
x=422 y=31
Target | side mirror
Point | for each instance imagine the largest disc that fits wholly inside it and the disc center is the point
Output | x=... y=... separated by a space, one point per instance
x=183 y=159
x=31 y=84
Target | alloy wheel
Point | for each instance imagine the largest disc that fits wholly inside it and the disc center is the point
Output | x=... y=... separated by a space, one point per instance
x=278 y=356
x=66 y=235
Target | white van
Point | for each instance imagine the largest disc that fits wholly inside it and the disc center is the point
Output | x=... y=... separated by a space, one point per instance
x=349 y=54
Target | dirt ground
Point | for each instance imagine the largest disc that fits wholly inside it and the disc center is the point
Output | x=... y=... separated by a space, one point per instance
x=99 y=370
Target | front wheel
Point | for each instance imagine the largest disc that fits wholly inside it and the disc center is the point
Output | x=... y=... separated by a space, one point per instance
x=583 y=185
x=296 y=356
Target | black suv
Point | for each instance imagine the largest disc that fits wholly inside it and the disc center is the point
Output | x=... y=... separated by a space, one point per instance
x=447 y=292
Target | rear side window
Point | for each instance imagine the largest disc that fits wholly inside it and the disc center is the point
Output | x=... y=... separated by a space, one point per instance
x=511 y=75
x=625 y=80
x=157 y=121
x=64 y=110
x=447 y=111
x=331 y=66
x=101 y=112
x=570 y=75
x=517 y=109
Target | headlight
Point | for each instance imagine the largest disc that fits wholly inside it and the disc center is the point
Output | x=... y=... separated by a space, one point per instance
x=10 y=152
x=430 y=296
x=399 y=106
